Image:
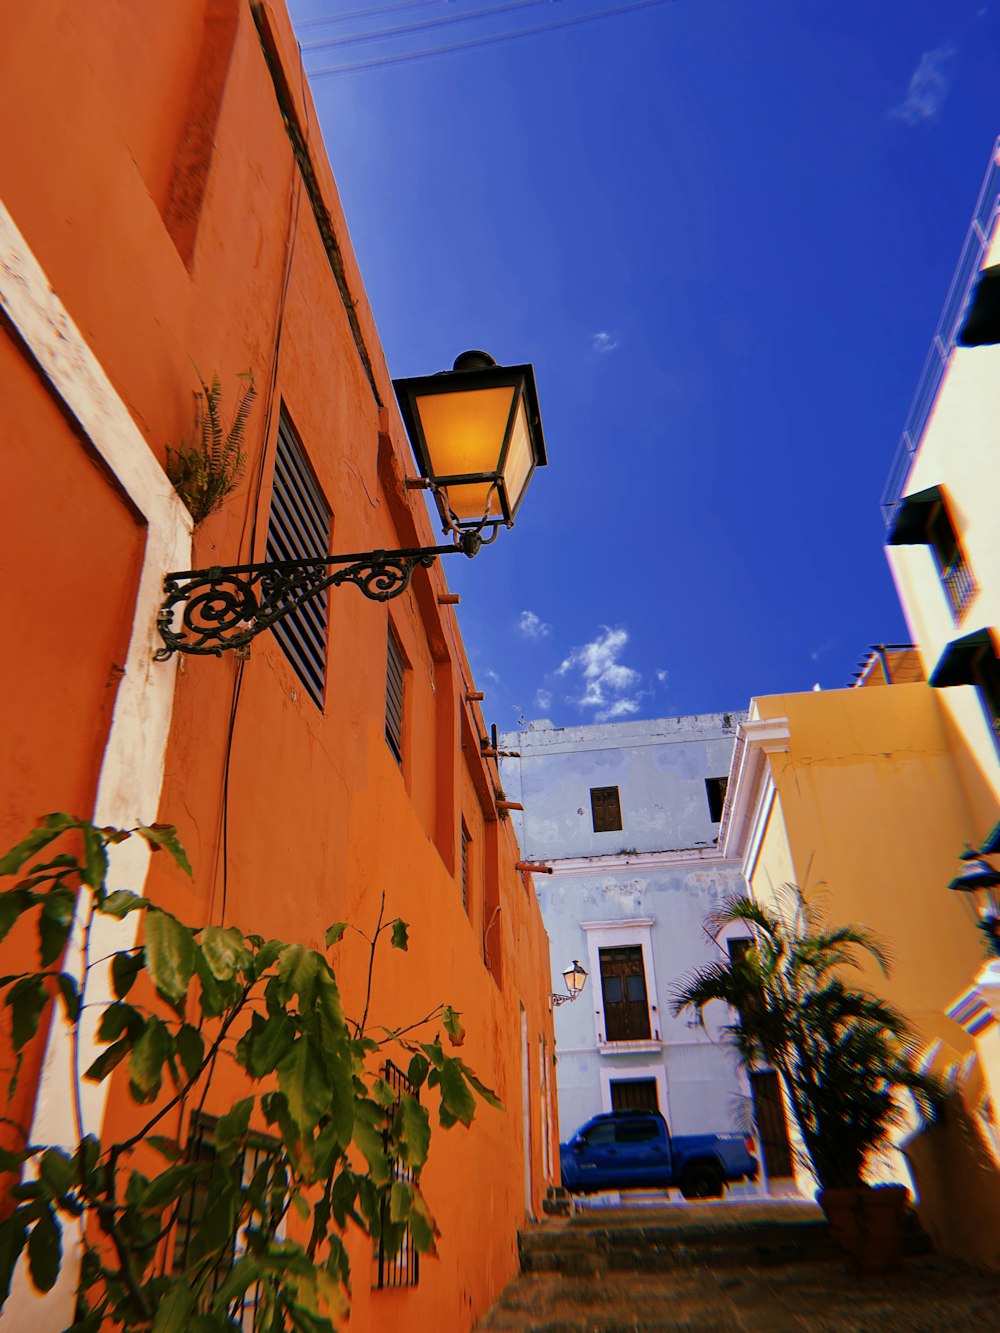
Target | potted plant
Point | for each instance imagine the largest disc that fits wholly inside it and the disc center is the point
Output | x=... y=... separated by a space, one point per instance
x=845 y=1057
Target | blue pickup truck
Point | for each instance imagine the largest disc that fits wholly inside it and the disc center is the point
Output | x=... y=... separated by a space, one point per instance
x=625 y=1150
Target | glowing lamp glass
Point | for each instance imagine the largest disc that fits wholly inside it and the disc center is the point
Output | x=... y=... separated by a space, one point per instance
x=476 y=435
x=575 y=978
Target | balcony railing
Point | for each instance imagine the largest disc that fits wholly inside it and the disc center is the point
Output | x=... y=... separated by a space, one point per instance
x=959 y=585
x=973 y=252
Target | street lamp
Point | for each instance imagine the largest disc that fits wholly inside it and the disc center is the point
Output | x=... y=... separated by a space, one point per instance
x=476 y=434
x=575 y=978
x=982 y=885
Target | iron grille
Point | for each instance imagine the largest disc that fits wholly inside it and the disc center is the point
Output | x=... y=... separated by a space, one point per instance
x=394 y=670
x=299 y=529
x=401 y=1269
x=260 y=1153
x=959 y=584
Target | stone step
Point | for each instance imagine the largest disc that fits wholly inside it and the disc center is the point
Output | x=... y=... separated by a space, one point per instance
x=720 y=1236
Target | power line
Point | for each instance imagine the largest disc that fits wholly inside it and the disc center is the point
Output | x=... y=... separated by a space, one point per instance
x=407 y=30
x=366 y=13
x=362 y=66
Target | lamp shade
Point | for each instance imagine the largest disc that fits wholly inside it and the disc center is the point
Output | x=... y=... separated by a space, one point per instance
x=575 y=978
x=476 y=434
x=979 y=875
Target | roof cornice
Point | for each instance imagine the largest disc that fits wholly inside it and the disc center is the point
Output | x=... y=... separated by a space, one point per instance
x=750 y=788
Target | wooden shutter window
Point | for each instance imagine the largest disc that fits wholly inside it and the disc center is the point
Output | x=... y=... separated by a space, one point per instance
x=299 y=529
x=623 y=990
x=394 y=696
x=607 y=809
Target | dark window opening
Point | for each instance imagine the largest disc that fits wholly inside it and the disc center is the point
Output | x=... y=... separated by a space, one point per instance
x=401 y=1269
x=635 y=1094
x=982 y=323
x=972 y=660
x=394 y=680
x=716 y=789
x=607 y=809
x=299 y=529
x=623 y=989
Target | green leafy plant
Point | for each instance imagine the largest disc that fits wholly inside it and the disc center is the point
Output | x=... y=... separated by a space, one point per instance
x=205 y=472
x=175 y=1008
x=846 y=1058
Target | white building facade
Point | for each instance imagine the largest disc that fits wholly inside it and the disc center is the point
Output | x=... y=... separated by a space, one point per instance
x=627 y=816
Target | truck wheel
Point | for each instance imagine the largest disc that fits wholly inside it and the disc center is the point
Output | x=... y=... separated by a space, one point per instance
x=701 y=1182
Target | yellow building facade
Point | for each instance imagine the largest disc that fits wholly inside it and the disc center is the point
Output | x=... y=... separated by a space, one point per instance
x=864 y=797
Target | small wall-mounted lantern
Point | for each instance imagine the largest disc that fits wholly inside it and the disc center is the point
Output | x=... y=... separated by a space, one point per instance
x=477 y=437
x=979 y=884
x=575 y=978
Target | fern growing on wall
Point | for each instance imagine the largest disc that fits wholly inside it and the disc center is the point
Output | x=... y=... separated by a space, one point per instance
x=207 y=470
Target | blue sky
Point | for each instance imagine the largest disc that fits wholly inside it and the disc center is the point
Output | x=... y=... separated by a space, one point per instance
x=723 y=232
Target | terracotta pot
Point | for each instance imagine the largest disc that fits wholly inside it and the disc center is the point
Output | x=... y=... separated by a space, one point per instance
x=868 y=1225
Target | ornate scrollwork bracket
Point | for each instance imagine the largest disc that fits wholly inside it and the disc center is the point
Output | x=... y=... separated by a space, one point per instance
x=209 y=611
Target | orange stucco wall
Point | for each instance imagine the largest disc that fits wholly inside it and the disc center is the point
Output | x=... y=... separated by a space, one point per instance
x=172 y=220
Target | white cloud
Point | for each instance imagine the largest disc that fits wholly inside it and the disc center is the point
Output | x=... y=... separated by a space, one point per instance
x=929 y=87
x=608 y=685
x=543 y=699
x=605 y=341
x=620 y=708
x=661 y=676
x=532 y=626
x=490 y=674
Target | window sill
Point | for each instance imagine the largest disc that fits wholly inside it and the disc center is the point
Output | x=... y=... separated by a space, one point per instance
x=646 y=1045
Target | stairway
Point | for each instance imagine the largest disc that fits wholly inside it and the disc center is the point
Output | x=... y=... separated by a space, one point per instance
x=720 y=1267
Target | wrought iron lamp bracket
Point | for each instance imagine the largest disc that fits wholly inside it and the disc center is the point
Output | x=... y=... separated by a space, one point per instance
x=225 y=607
x=557 y=1000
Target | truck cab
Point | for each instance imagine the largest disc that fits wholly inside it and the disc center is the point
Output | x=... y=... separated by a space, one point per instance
x=623 y=1150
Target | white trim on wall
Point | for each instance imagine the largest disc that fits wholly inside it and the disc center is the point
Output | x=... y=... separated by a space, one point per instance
x=751 y=787
x=608 y=865
x=131 y=774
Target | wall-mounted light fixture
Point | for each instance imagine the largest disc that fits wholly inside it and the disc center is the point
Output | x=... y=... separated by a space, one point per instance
x=980 y=885
x=575 y=978
x=476 y=434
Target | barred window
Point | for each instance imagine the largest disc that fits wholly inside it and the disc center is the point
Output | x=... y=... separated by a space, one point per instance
x=401 y=1269
x=252 y=1167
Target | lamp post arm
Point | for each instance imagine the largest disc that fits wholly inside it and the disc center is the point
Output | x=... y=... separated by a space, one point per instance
x=226 y=606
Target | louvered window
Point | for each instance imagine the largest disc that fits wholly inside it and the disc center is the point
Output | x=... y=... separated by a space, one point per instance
x=607 y=809
x=395 y=667
x=299 y=529
x=465 y=867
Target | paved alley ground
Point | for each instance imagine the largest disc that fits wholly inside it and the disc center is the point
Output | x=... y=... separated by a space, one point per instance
x=719 y=1267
